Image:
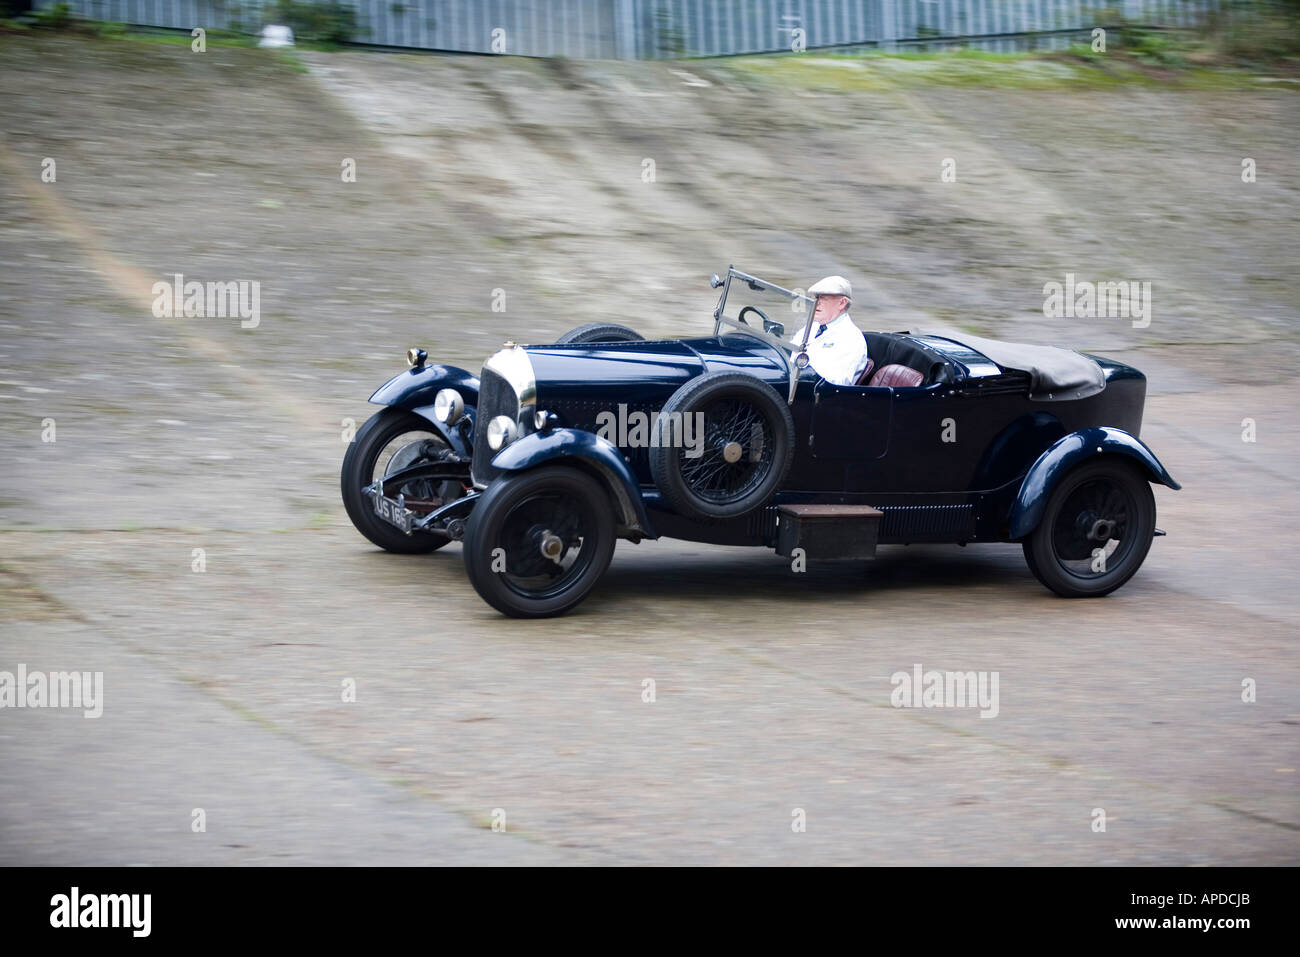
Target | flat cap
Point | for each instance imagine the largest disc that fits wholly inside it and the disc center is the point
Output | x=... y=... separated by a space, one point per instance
x=831 y=286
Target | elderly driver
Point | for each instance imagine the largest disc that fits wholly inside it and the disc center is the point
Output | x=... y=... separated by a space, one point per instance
x=837 y=350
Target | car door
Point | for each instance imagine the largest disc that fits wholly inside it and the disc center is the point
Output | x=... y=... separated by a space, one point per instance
x=850 y=421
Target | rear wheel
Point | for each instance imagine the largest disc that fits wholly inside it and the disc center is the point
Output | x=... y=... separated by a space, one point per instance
x=1096 y=530
x=538 y=541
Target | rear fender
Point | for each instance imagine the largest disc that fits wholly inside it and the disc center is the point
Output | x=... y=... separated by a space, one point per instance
x=1068 y=452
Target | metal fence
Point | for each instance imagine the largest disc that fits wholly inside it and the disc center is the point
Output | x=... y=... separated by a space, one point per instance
x=657 y=29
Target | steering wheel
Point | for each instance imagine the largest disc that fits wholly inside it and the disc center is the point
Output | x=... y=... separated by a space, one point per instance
x=741 y=317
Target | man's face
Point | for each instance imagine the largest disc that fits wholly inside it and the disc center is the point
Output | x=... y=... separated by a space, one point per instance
x=829 y=307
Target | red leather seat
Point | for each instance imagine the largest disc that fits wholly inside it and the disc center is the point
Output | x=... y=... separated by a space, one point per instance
x=897 y=376
x=865 y=376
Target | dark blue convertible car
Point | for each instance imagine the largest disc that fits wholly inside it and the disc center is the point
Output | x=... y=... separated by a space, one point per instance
x=554 y=451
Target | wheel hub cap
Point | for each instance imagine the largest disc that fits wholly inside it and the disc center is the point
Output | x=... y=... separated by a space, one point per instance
x=550 y=545
x=1103 y=530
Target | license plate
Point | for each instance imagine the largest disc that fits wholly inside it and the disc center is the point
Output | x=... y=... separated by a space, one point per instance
x=391 y=511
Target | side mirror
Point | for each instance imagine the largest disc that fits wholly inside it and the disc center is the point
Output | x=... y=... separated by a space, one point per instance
x=775 y=328
x=715 y=281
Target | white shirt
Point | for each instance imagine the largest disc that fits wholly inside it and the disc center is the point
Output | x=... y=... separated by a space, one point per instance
x=839 y=354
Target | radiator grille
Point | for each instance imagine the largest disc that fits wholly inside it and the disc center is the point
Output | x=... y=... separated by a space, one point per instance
x=495 y=397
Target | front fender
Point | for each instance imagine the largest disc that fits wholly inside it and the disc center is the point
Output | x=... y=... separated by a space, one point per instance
x=1065 y=454
x=588 y=451
x=415 y=389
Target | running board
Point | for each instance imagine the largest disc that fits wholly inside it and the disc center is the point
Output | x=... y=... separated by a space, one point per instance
x=828 y=532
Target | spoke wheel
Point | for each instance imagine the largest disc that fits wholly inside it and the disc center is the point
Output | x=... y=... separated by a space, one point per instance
x=723 y=446
x=736 y=455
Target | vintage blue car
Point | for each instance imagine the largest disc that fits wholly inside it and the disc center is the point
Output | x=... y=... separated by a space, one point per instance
x=554 y=451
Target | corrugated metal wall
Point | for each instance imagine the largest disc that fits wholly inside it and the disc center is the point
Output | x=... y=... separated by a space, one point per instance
x=651 y=29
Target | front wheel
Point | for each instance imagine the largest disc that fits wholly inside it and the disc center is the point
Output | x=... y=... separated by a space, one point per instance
x=538 y=541
x=1095 y=531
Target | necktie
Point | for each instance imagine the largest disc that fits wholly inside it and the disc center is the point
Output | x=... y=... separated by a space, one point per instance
x=820 y=330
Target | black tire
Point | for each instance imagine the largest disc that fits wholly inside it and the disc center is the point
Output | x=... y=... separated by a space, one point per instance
x=1063 y=551
x=740 y=412
x=358 y=472
x=516 y=514
x=601 y=332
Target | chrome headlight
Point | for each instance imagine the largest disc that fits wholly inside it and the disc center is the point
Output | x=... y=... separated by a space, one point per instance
x=448 y=406
x=501 y=431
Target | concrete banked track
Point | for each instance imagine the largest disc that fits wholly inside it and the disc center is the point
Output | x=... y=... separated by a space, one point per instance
x=599 y=191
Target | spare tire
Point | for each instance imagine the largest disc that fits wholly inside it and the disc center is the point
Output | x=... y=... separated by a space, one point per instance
x=601 y=332
x=722 y=446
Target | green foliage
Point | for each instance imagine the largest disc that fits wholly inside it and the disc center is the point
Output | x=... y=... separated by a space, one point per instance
x=1153 y=47
x=292 y=61
x=1247 y=31
x=57 y=17
x=328 y=22
x=1256 y=31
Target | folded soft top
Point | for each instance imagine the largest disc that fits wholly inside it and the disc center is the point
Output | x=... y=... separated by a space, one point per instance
x=1055 y=374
